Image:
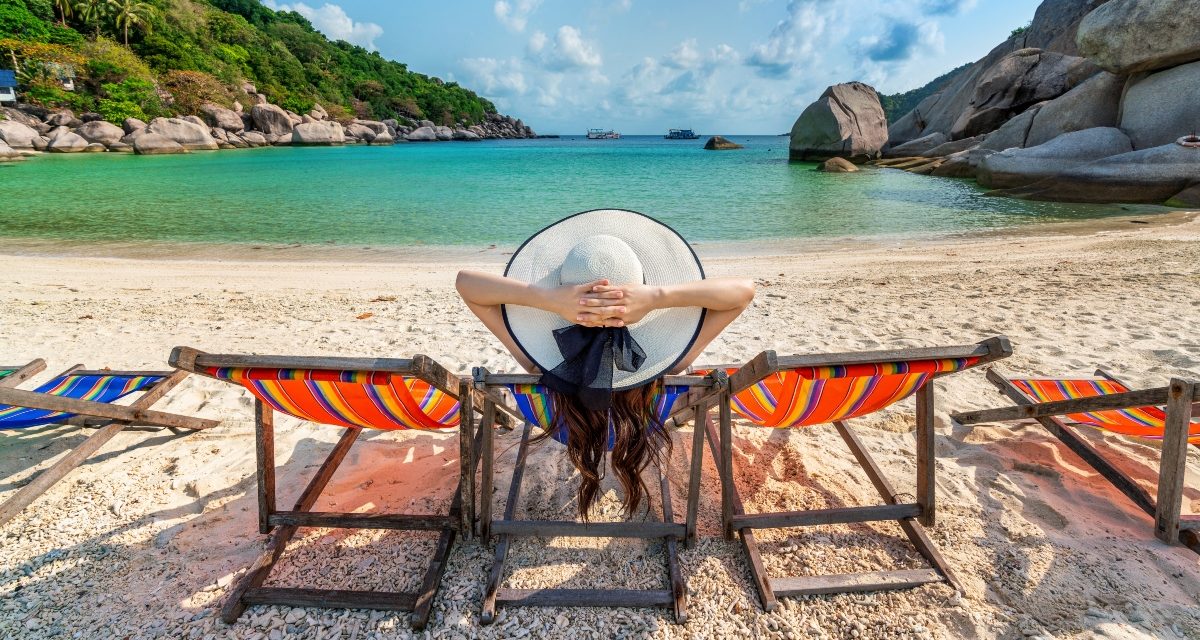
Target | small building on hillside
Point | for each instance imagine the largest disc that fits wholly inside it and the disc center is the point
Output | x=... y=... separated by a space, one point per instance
x=8 y=87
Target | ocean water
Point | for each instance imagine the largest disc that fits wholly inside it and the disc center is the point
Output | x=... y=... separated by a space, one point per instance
x=492 y=192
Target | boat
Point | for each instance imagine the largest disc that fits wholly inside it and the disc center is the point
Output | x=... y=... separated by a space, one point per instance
x=681 y=134
x=603 y=134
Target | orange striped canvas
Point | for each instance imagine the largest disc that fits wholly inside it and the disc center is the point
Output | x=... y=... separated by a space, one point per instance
x=808 y=396
x=1141 y=422
x=369 y=399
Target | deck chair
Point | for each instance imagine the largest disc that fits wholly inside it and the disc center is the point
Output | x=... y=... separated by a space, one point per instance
x=800 y=391
x=352 y=393
x=1107 y=403
x=78 y=396
x=532 y=403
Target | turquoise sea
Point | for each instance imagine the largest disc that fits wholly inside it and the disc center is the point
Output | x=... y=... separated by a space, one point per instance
x=477 y=194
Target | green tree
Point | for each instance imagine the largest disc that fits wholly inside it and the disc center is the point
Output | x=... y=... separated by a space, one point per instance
x=66 y=9
x=92 y=13
x=130 y=12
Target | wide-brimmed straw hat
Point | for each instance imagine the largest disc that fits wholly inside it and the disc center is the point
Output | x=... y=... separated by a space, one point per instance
x=624 y=247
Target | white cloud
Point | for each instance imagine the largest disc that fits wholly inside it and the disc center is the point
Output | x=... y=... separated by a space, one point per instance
x=792 y=39
x=332 y=20
x=494 y=77
x=568 y=50
x=621 y=6
x=515 y=16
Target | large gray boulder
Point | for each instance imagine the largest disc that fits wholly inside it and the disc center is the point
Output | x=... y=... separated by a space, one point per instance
x=320 y=133
x=1148 y=176
x=1013 y=133
x=67 y=142
x=1021 y=79
x=422 y=134
x=106 y=133
x=271 y=120
x=1018 y=167
x=132 y=124
x=8 y=153
x=383 y=139
x=1126 y=36
x=150 y=144
x=954 y=147
x=465 y=134
x=192 y=136
x=1056 y=23
x=374 y=125
x=1092 y=104
x=318 y=112
x=254 y=139
x=847 y=121
x=16 y=115
x=917 y=147
x=1163 y=106
x=444 y=133
x=221 y=118
x=17 y=135
x=64 y=118
x=361 y=132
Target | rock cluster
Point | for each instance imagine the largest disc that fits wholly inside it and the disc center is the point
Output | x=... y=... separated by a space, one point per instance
x=28 y=130
x=1087 y=105
x=721 y=143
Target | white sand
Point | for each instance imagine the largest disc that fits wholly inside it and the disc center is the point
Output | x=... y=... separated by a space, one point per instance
x=143 y=540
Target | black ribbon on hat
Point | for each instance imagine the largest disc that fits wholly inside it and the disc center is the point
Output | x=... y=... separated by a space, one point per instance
x=589 y=355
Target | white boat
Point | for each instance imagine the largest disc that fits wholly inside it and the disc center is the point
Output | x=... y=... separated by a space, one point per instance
x=603 y=134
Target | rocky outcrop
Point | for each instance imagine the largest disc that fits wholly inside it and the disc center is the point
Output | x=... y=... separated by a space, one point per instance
x=1162 y=106
x=847 y=121
x=361 y=132
x=1013 y=133
x=1147 y=176
x=1019 y=80
x=721 y=143
x=150 y=144
x=954 y=146
x=132 y=124
x=221 y=118
x=422 y=134
x=16 y=135
x=66 y=142
x=1094 y=103
x=191 y=136
x=254 y=139
x=1056 y=23
x=102 y=132
x=63 y=118
x=271 y=120
x=917 y=147
x=1127 y=36
x=383 y=139
x=444 y=133
x=464 y=134
x=323 y=133
x=837 y=165
x=1018 y=167
x=8 y=153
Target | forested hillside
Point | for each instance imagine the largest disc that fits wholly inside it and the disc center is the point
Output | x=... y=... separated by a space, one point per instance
x=162 y=57
x=898 y=104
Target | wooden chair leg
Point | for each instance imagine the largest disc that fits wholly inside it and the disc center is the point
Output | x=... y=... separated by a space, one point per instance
x=488 y=479
x=264 y=441
x=725 y=461
x=758 y=573
x=678 y=585
x=466 y=470
x=697 y=463
x=926 y=459
x=423 y=605
x=496 y=576
x=1174 y=461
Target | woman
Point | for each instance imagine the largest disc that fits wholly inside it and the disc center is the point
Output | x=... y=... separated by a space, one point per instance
x=603 y=304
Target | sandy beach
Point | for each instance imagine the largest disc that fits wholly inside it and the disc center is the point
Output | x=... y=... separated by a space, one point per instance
x=144 y=539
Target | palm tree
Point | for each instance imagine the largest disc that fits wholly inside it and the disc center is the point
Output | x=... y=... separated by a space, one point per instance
x=127 y=12
x=92 y=12
x=65 y=9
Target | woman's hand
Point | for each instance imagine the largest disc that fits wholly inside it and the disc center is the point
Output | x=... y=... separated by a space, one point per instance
x=570 y=302
x=621 y=305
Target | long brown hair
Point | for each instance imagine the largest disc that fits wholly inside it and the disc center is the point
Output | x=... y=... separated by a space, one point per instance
x=639 y=441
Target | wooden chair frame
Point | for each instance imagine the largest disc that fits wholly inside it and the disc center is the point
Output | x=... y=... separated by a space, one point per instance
x=283 y=524
x=1169 y=523
x=704 y=391
x=911 y=516
x=111 y=419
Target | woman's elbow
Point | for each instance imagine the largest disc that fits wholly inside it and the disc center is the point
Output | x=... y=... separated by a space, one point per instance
x=462 y=282
x=745 y=291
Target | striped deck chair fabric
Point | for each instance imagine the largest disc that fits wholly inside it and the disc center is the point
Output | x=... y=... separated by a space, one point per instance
x=368 y=399
x=534 y=403
x=818 y=395
x=4 y=373
x=95 y=388
x=1141 y=422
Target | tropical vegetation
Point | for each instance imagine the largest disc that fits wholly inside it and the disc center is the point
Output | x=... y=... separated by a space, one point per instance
x=159 y=57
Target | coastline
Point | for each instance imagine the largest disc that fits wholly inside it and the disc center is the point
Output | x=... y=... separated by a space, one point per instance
x=256 y=252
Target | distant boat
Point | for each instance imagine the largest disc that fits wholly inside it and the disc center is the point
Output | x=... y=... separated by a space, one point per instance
x=681 y=134
x=603 y=134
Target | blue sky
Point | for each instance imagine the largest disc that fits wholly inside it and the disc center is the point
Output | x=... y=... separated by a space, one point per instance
x=643 y=66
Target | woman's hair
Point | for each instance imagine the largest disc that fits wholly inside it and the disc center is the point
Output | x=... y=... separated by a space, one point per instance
x=639 y=440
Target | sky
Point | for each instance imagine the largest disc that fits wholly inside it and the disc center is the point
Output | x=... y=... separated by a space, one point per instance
x=644 y=66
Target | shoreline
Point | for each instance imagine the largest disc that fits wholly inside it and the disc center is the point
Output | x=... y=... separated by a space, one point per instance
x=254 y=252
